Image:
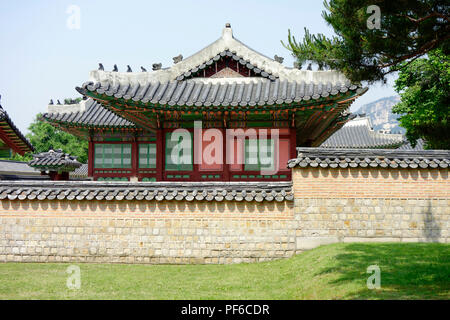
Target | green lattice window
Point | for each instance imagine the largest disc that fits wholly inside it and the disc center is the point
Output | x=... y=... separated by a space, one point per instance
x=259 y=154
x=5 y=153
x=112 y=156
x=179 y=152
x=147 y=155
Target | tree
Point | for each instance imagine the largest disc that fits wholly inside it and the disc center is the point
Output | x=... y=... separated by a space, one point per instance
x=43 y=136
x=424 y=87
x=365 y=49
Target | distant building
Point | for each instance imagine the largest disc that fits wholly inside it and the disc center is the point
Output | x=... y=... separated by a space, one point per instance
x=55 y=163
x=17 y=170
x=359 y=134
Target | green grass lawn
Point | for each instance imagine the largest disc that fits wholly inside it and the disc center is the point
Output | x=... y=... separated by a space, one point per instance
x=338 y=271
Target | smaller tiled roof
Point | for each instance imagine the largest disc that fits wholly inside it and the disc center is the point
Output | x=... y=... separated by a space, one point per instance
x=21 y=144
x=142 y=191
x=384 y=158
x=94 y=115
x=54 y=160
x=358 y=133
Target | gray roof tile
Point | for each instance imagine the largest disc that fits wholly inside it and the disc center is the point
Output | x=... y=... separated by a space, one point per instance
x=232 y=91
x=54 y=159
x=90 y=190
x=95 y=115
x=394 y=158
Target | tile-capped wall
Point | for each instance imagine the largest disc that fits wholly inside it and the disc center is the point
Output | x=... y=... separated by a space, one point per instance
x=370 y=204
x=330 y=205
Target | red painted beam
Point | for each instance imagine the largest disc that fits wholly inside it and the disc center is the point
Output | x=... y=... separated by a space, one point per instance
x=10 y=143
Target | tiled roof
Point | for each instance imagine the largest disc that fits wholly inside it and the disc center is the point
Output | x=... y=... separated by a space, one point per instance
x=358 y=133
x=384 y=158
x=54 y=160
x=159 y=191
x=14 y=134
x=94 y=115
x=205 y=92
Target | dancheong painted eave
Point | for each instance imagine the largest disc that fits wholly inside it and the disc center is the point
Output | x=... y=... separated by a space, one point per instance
x=12 y=136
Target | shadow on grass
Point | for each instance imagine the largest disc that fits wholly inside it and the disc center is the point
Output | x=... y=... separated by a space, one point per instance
x=408 y=270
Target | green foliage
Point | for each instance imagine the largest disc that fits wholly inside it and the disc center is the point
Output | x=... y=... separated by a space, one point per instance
x=338 y=271
x=408 y=30
x=43 y=136
x=25 y=158
x=424 y=87
x=72 y=101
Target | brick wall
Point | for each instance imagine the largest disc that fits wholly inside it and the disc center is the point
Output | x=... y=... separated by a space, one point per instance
x=371 y=183
x=370 y=204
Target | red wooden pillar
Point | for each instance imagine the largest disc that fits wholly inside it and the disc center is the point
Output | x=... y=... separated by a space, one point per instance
x=197 y=152
x=225 y=166
x=134 y=158
x=293 y=143
x=91 y=158
x=159 y=154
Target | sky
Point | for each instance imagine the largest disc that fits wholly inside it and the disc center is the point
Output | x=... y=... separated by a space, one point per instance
x=45 y=53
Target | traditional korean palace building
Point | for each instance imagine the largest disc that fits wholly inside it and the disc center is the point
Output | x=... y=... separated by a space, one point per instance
x=316 y=174
x=130 y=117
